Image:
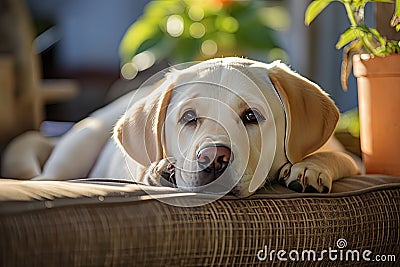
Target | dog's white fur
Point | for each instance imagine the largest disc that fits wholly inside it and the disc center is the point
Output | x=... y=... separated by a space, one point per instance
x=299 y=119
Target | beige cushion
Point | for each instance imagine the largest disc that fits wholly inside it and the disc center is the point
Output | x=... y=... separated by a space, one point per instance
x=22 y=190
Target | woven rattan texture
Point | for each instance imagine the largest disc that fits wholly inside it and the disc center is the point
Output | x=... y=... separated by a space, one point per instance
x=223 y=233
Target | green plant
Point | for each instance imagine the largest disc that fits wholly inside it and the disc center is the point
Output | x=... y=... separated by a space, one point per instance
x=358 y=38
x=349 y=122
x=187 y=30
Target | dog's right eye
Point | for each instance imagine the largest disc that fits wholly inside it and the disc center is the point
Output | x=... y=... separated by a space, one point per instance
x=188 y=117
x=252 y=116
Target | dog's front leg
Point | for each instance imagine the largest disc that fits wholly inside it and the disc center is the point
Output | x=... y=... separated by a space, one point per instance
x=317 y=172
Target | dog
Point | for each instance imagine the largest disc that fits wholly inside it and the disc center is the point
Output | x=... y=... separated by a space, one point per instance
x=223 y=125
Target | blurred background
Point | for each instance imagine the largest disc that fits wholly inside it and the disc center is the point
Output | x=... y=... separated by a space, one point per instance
x=88 y=52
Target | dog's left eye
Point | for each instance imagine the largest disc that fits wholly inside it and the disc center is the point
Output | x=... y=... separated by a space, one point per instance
x=188 y=117
x=252 y=116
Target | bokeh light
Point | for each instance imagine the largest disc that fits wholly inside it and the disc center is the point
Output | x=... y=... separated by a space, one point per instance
x=227 y=24
x=275 y=17
x=196 y=13
x=129 y=71
x=175 y=25
x=144 y=60
x=209 y=48
x=197 y=30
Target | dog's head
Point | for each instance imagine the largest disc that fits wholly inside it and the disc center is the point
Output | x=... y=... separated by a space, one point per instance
x=228 y=122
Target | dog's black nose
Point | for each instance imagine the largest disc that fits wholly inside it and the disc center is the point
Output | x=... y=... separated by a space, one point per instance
x=212 y=161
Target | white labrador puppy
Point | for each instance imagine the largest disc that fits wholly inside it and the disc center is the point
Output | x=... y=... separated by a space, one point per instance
x=226 y=124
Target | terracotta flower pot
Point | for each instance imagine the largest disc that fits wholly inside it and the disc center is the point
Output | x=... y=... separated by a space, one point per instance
x=378 y=81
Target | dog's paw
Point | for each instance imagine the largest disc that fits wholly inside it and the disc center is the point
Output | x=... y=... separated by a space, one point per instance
x=160 y=173
x=305 y=177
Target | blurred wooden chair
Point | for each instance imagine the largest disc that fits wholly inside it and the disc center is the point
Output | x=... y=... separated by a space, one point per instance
x=23 y=93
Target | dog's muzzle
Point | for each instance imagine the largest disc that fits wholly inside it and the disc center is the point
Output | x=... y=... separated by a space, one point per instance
x=212 y=161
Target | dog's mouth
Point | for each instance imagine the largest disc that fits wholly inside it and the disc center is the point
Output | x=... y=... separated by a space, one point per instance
x=222 y=185
x=168 y=176
x=212 y=168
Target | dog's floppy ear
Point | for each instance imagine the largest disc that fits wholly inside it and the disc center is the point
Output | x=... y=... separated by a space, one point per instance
x=311 y=116
x=139 y=131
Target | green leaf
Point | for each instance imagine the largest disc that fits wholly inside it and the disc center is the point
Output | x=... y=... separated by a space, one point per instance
x=397 y=9
x=395 y=21
x=362 y=3
x=368 y=43
x=382 y=1
x=346 y=37
x=378 y=36
x=348 y=52
x=314 y=9
x=135 y=36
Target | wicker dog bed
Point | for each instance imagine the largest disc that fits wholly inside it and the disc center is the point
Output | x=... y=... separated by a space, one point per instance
x=97 y=223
